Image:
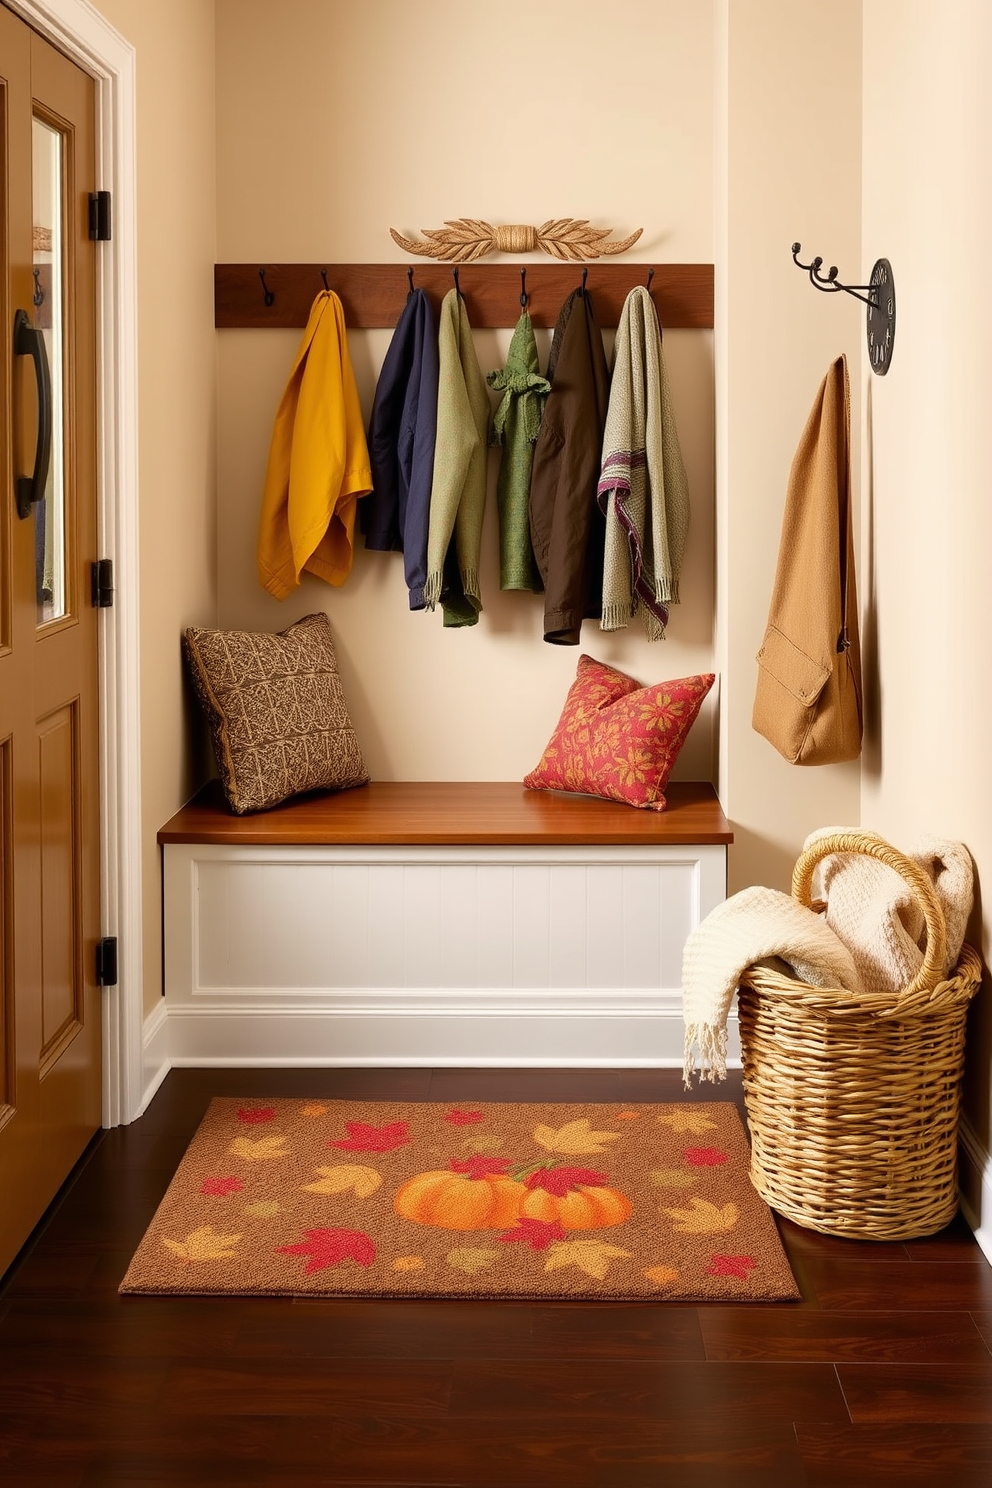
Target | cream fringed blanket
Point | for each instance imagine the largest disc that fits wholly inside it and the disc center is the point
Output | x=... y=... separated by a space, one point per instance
x=870 y=935
x=749 y=927
x=875 y=912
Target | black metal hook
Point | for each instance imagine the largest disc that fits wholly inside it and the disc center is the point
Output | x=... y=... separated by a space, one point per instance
x=270 y=298
x=829 y=283
x=323 y=275
x=650 y=277
x=879 y=294
x=458 y=288
x=409 y=280
x=585 y=276
x=38 y=298
x=523 y=289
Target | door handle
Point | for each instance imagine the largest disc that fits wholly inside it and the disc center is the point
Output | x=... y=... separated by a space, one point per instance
x=31 y=342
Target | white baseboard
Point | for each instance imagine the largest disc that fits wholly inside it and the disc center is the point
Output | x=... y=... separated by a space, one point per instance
x=580 y=1035
x=156 y=1061
x=976 y=1186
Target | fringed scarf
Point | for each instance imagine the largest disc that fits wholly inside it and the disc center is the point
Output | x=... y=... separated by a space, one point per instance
x=642 y=487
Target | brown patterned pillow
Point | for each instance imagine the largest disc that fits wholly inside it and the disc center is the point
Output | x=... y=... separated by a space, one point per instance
x=277 y=712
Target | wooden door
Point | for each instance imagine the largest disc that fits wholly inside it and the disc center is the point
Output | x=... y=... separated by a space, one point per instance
x=50 y=1010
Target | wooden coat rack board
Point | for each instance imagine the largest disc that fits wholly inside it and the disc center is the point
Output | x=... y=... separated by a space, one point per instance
x=373 y=295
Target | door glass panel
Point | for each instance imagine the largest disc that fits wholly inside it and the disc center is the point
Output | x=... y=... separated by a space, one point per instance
x=49 y=283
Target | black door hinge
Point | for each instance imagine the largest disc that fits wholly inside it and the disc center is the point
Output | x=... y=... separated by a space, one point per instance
x=100 y=224
x=106 y=961
x=102 y=583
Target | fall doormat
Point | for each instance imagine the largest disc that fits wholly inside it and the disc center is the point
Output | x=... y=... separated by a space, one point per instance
x=340 y=1198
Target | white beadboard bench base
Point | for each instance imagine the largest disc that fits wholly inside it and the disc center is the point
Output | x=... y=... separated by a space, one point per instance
x=525 y=947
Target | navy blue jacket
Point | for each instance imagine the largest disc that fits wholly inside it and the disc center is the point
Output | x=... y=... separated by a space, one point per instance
x=401 y=444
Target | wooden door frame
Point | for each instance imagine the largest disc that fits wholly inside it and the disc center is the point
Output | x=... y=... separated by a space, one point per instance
x=92 y=43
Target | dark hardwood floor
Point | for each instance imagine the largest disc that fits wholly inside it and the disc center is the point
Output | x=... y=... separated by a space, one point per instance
x=881 y=1375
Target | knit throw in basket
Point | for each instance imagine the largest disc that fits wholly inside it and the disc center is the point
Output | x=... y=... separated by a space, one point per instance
x=853 y=1098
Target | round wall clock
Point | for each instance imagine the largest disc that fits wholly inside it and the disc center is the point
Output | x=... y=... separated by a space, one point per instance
x=881 y=326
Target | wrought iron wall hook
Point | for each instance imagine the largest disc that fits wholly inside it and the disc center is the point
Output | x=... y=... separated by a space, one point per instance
x=458 y=288
x=409 y=281
x=270 y=298
x=879 y=294
x=38 y=298
x=585 y=276
x=323 y=275
x=523 y=289
x=650 y=277
x=828 y=282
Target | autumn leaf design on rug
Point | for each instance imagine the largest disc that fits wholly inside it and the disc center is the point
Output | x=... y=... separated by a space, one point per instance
x=338 y=1198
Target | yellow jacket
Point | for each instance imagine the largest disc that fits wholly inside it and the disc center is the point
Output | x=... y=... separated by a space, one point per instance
x=318 y=461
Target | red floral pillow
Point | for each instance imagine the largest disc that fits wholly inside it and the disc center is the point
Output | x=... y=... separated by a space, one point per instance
x=617 y=739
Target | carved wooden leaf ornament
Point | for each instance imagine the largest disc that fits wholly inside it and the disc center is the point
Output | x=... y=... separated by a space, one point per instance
x=464 y=239
x=350 y=1176
x=704 y=1218
x=573 y=1138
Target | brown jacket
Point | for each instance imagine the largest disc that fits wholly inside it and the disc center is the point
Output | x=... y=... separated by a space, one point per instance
x=567 y=528
x=808 y=698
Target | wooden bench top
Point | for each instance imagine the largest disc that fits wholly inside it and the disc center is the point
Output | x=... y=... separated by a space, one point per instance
x=471 y=813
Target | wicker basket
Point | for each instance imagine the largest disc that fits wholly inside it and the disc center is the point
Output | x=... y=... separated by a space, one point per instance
x=853 y=1098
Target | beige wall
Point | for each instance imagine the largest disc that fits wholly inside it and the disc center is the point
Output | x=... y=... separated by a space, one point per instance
x=927 y=164
x=789 y=160
x=174 y=46
x=338 y=121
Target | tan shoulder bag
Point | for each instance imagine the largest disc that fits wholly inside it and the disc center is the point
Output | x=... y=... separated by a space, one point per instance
x=808 y=698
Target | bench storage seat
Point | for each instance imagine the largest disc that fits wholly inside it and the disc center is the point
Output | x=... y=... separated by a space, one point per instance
x=434 y=923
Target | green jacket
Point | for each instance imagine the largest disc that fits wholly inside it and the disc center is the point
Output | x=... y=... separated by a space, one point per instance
x=515 y=427
x=458 y=490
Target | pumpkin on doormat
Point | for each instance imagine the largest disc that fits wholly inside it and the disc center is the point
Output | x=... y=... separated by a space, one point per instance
x=486 y=1193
